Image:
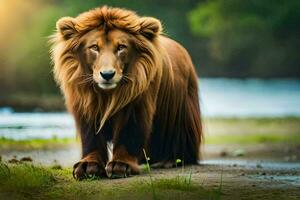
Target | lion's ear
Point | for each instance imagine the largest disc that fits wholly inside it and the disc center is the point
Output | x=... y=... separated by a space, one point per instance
x=150 y=27
x=66 y=27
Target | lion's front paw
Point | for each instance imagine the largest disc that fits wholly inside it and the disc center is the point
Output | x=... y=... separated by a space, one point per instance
x=119 y=169
x=85 y=169
x=89 y=166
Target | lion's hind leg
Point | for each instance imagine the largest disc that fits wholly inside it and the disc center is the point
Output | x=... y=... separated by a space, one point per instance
x=177 y=131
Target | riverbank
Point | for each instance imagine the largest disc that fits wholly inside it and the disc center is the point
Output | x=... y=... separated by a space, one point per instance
x=243 y=158
x=225 y=138
x=205 y=181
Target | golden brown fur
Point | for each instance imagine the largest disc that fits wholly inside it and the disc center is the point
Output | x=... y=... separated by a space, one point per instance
x=160 y=94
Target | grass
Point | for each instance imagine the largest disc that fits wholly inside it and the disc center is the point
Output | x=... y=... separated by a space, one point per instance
x=253 y=139
x=150 y=176
x=22 y=180
x=245 y=126
x=34 y=144
x=252 y=130
x=218 y=192
x=26 y=181
x=179 y=182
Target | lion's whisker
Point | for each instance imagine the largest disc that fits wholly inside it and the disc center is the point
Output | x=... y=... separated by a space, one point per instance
x=86 y=80
x=86 y=75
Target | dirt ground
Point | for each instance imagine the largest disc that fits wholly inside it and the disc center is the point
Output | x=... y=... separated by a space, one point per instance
x=247 y=172
x=243 y=181
x=243 y=158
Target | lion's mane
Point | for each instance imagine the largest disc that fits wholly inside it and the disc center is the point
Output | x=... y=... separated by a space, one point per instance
x=79 y=96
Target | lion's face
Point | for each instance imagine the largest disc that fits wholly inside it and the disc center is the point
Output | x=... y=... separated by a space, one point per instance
x=106 y=55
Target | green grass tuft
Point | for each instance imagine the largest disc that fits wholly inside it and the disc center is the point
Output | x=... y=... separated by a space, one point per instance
x=34 y=144
x=253 y=139
x=25 y=180
x=181 y=183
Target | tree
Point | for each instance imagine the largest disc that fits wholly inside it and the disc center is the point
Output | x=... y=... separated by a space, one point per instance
x=250 y=38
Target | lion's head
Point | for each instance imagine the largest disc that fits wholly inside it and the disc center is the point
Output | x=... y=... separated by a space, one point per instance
x=105 y=58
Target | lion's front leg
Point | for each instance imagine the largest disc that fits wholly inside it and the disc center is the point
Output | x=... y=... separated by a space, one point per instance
x=94 y=153
x=128 y=143
x=122 y=164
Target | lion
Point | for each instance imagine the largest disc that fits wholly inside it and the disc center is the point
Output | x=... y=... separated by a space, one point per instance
x=126 y=84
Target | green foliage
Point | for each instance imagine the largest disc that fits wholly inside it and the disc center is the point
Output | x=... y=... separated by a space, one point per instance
x=250 y=38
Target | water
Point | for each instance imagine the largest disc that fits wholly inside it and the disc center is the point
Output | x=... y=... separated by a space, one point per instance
x=252 y=97
x=266 y=164
x=22 y=126
x=219 y=98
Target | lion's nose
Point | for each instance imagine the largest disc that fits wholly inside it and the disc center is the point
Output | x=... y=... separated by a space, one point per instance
x=107 y=75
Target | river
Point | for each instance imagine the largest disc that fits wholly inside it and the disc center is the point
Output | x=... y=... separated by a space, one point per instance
x=218 y=97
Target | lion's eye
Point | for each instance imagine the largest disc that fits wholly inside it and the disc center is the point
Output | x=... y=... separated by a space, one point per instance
x=121 y=47
x=94 y=47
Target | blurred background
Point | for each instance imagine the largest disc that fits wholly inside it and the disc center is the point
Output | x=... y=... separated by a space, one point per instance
x=246 y=54
x=226 y=38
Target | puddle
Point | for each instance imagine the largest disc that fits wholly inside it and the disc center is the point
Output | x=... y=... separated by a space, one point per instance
x=270 y=165
x=276 y=173
x=283 y=179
